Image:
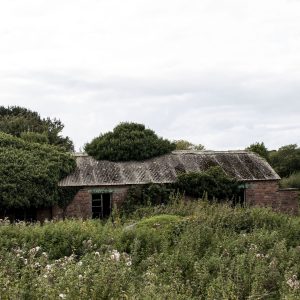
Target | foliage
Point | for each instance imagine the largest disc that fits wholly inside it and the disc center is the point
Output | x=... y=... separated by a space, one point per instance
x=22 y=122
x=214 y=182
x=293 y=181
x=186 y=145
x=128 y=141
x=34 y=137
x=286 y=160
x=30 y=172
x=145 y=195
x=260 y=149
x=65 y=195
x=214 y=252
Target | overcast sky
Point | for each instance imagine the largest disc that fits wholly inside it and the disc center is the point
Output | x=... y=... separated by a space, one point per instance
x=223 y=73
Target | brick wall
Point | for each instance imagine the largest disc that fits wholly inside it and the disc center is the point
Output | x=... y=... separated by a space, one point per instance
x=81 y=205
x=260 y=193
x=267 y=193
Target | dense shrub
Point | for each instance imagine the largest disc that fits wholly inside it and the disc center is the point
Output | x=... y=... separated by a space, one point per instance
x=214 y=183
x=22 y=122
x=214 y=252
x=260 y=149
x=30 y=173
x=293 y=181
x=128 y=141
x=286 y=160
x=145 y=195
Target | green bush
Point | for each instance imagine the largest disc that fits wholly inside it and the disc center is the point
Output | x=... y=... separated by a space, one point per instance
x=213 y=252
x=293 y=181
x=22 y=122
x=214 y=183
x=128 y=141
x=145 y=195
x=286 y=160
x=30 y=173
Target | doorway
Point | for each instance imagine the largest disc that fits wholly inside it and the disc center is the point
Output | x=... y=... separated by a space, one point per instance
x=101 y=205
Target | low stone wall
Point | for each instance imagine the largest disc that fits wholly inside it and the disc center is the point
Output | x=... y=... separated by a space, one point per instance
x=268 y=194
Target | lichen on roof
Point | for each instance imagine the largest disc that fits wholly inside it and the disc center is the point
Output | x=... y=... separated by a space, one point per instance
x=242 y=165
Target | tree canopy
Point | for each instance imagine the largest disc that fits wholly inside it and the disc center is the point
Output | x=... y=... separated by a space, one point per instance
x=128 y=141
x=260 y=149
x=27 y=124
x=286 y=160
x=30 y=172
x=186 y=145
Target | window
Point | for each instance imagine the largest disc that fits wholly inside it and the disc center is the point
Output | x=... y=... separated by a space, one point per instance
x=101 y=205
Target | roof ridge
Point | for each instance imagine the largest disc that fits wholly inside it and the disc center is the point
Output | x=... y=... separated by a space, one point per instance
x=209 y=151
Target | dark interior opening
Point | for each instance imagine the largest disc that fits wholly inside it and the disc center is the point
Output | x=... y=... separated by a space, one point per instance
x=101 y=205
x=19 y=214
x=240 y=197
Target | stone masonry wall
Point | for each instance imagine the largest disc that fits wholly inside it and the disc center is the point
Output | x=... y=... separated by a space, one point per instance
x=81 y=205
x=267 y=193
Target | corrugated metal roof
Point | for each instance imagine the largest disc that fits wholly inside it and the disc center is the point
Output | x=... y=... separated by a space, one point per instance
x=242 y=165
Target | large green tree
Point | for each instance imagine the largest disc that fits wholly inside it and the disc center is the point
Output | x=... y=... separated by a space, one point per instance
x=260 y=149
x=30 y=173
x=128 y=141
x=286 y=160
x=27 y=124
x=186 y=145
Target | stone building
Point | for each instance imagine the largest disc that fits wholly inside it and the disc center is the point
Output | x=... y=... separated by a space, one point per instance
x=103 y=183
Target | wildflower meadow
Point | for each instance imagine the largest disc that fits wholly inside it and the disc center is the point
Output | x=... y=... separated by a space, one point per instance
x=192 y=250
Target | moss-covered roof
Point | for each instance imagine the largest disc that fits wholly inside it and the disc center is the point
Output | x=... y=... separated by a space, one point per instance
x=242 y=165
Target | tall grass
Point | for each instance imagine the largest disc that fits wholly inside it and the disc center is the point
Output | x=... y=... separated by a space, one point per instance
x=189 y=250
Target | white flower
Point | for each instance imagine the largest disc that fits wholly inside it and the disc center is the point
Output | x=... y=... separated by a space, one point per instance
x=80 y=277
x=62 y=296
x=115 y=255
x=48 y=267
x=258 y=255
x=45 y=276
x=34 y=250
x=293 y=282
x=128 y=263
x=79 y=263
x=97 y=253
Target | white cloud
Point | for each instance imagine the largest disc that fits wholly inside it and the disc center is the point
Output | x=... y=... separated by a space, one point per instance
x=221 y=73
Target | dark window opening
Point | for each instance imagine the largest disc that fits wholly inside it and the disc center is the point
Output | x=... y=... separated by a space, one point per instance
x=101 y=205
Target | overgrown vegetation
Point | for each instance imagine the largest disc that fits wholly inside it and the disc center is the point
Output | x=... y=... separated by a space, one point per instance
x=213 y=182
x=292 y=181
x=27 y=124
x=186 y=145
x=285 y=160
x=30 y=173
x=146 y=195
x=184 y=250
x=260 y=149
x=128 y=141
